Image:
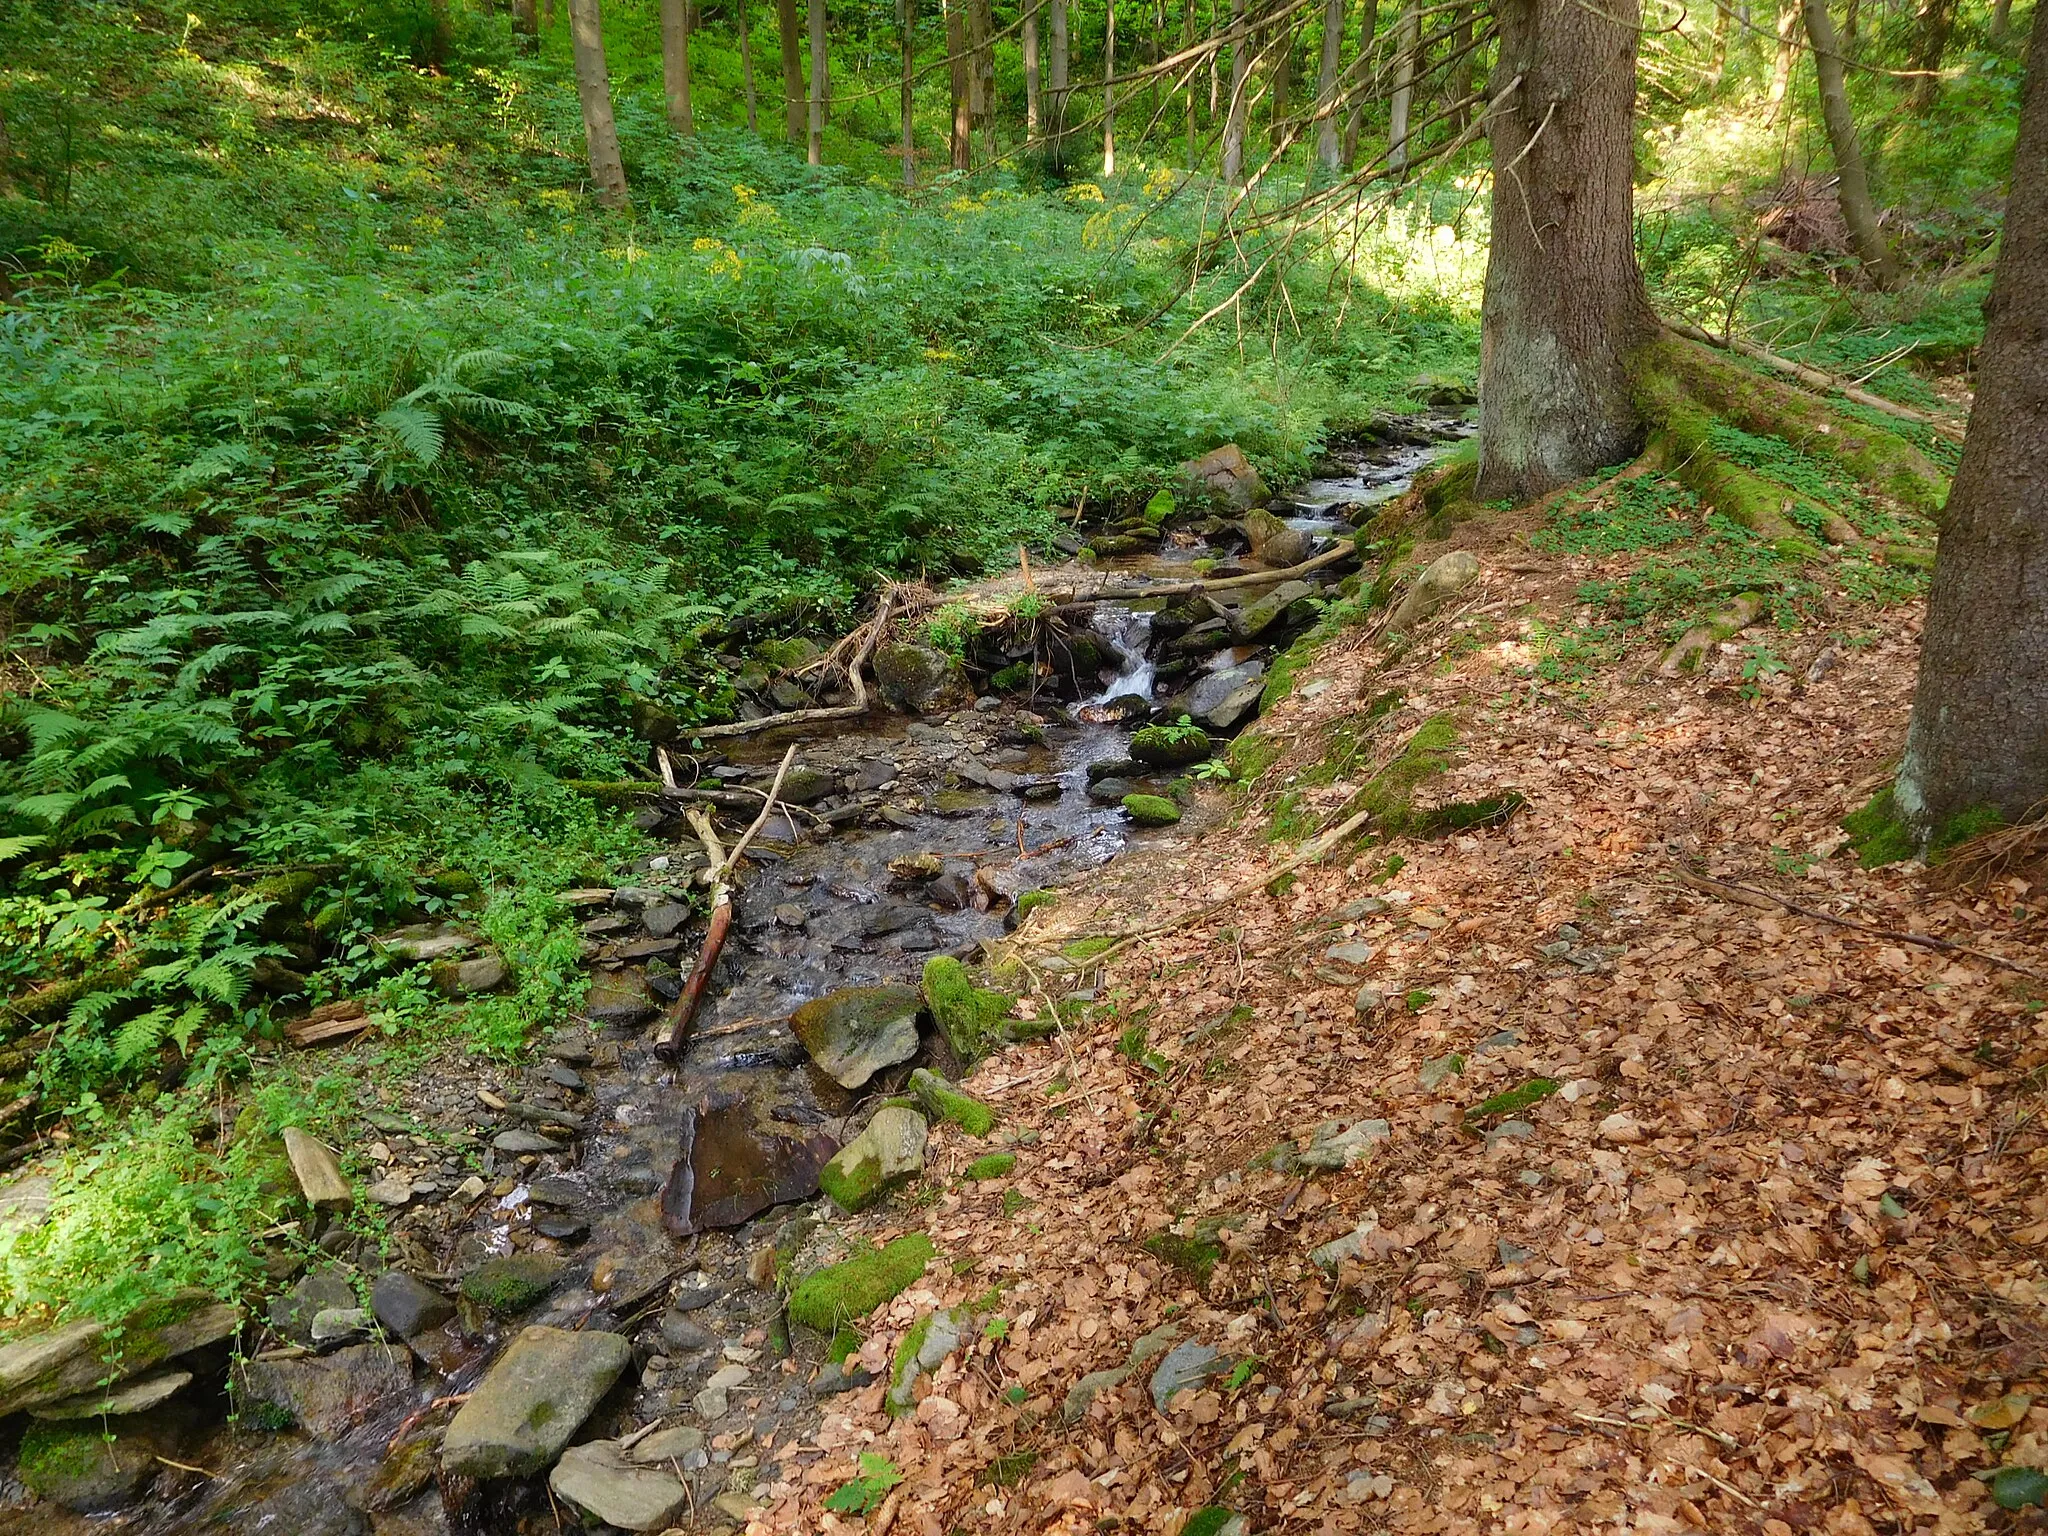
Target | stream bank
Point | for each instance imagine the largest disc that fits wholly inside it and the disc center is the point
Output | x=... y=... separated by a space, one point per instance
x=604 y=1193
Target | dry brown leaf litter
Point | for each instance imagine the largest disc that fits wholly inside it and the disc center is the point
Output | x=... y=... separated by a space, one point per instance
x=1768 y=1260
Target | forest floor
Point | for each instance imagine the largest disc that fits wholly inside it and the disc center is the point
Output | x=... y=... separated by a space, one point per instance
x=1753 y=1245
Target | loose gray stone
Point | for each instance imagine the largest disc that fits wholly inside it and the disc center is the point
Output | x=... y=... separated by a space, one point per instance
x=1446 y=576
x=1337 y=1145
x=468 y=978
x=341 y=1325
x=941 y=1338
x=533 y=1399
x=518 y=1141
x=1184 y=1366
x=554 y=1190
x=292 y=1314
x=604 y=1483
x=888 y=1151
x=408 y=1307
x=1254 y=619
x=135 y=1396
x=662 y=921
x=1350 y=954
x=330 y=1394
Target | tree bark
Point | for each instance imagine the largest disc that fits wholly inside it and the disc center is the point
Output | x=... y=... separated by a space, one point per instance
x=1329 y=146
x=1187 y=40
x=1368 y=24
x=980 y=28
x=594 y=93
x=747 y=64
x=1282 y=89
x=1852 y=184
x=1407 y=43
x=1056 y=141
x=958 y=76
x=1979 y=736
x=1788 y=54
x=906 y=21
x=1235 y=109
x=1464 y=61
x=2001 y=20
x=525 y=18
x=821 y=80
x=789 y=30
x=1564 y=305
x=675 y=64
x=1109 y=87
x=1029 y=42
x=1931 y=27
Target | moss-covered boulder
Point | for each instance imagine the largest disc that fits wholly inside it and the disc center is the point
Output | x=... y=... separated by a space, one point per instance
x=943 y=1101
x=1170 y=746
x=841 y=1293
x=85 y=1467
x=1151 y=810
x=885 y=1154
x=512 y=1283
x=970 y=1017
x=921 y=680
x=995 y=1165
x=77 y=1357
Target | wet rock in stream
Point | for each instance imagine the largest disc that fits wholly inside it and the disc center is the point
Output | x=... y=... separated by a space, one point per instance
x=524 y=1411
x=737 y=1161
x=854 y=1033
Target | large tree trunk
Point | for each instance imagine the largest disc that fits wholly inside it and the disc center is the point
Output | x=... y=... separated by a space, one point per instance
x=906 y=21
x=1564 y=304
x=1329 y=147
x=821 y=82
x=594 y=92
x=1029 y=42
x=1109 y=87
x=1788 y=55
x=1407 y=42
x=789 y=31
x=1979 y=736
x=1056 y=142
x=1931 y=27
x=525 y=18
x=1235 y=109
x=1852 y=185
x=747 y=64
x=675 y=64
x=959 y=68
x=1464 y=64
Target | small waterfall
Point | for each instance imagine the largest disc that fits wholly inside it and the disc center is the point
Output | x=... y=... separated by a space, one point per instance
x=1129 y=635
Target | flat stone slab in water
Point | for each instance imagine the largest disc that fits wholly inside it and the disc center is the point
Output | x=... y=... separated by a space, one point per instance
x=130 y=1397
x=853 y=1033
x=736 y=1162
x=528 y=1405
x=63 y=1362
x=330 y=1395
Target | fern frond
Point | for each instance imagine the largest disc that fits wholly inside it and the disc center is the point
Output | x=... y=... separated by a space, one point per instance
x=417 y=431
x=141 y=1035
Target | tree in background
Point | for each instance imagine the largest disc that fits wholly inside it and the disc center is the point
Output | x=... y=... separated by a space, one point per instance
x=1028 y=43
x=1979 y=735
x=1281 y=90
x=1235 y=110
x=1407 y=50
x=740 y=9
x=1109 y=87
x=1056 y=140
x=906 y=24
x=959 y=77
x=1564 y=304
x=1788 y=55
x=1852 y=184
x=1368 y=24
x=1932 y=24
x=525 y=18
x=594 y=93
x=1329 y=147
x=821 y=65
x=675 y=64
x=790 y=31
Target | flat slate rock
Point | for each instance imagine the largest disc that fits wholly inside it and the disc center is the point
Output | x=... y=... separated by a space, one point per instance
x=331 y=1394
x=135 y=1396
x=854 y=1033
x=46 y=1367
x=737 y=1161
x=532 y=1400
x=610 y=1486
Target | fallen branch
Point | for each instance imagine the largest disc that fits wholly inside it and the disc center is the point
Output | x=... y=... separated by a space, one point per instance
x=858 y=707
x=1345 y=549
x=1814 y=378
x=1750 y=896
x=1315 y=850
x=675 y=1027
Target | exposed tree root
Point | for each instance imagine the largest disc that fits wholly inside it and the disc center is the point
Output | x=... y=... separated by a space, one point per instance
x=1683 y=390
x=1825 y=383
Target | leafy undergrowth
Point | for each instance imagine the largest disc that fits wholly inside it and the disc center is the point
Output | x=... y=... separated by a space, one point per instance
x=1667 y=1180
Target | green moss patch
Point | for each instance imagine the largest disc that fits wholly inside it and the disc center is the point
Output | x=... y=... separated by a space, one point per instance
x=1194 y=1257
x=55 y=1454
x=994 y=1165
x=1030 y=901
x=1087 y=949
x=1151 y=810
x=943 y=1101
x=853 y=1185
x=513 y=1283
x=1390 y=794
x=834 y=1297
x=1516 y=1099
x=970 y=1017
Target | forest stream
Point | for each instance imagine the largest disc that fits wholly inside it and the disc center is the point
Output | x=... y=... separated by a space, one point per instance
x=660 y=1200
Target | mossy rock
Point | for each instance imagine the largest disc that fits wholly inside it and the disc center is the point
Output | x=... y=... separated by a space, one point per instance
x=1171 y=746
x=1880 y=835
x=513 y=1283
x=1010 y=679
x=1030 y=901
x=83 y=1466
x=943 y=1101
x=1088 y=948
x=1194 y=1257
x=994 y=1165
x=1151 y=810
x=831 y=1298
x=782 y=655
x=970 y=1017
x=1390 y=794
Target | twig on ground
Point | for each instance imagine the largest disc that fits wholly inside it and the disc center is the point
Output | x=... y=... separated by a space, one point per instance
x=1750 y=896
x=858 y=707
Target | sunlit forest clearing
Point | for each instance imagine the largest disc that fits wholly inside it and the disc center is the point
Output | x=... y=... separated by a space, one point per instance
x=1027 y=765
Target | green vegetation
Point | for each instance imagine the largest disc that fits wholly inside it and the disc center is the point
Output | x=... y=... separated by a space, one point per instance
x=970 y=1017
x=1029 y=902
x=1196 y=1257
x=832 y=1297
x=1515 y=1100
x=943 y=1101
x=512 y=1283
x=1390 y=793
x=863 y=1493
x=1151 y=810
x=993 y=1165
x=1880 y=836
x=1086 y=949
x=55 y=1454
